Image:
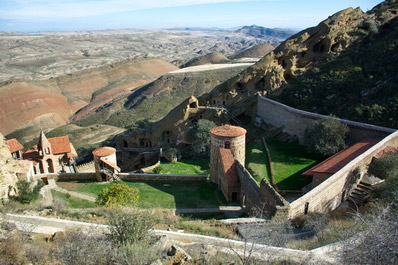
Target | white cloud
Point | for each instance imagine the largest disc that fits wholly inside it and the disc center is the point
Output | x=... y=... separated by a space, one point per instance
x=55 y=9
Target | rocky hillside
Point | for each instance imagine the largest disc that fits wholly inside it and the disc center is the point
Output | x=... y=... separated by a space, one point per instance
x=155 y=99
x=8 y=169
x=304 y=51
x=49 y=103
x=210 y=58
x=307 y=51
x=360 y=84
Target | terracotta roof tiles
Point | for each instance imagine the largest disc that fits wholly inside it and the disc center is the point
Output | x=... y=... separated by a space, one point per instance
x=14 y=145
x=60 y=145
x=228 y=162
x=104 y=151
x=342 y=158
x=228 y=131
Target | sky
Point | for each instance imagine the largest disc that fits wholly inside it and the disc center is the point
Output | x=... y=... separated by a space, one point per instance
x=68 y=15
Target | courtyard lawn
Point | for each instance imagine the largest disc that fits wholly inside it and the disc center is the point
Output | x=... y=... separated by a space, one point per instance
x=72 y=202
x=289 y=161
x=159 y=195
x=186 y=167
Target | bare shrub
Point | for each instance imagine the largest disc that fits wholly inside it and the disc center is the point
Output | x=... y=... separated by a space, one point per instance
x=136 y=253
x=12 y=249
x=78 y=247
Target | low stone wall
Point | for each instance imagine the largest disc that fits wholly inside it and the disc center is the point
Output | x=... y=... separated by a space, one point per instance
x=328 y=195
x=261 y=200
x=296 y=121
x=67 y=176
x=143 y=177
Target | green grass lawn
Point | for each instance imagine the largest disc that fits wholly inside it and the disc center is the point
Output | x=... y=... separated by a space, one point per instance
x=160 y=195
x=186 y=167
x=289 y=161
x=73 y=202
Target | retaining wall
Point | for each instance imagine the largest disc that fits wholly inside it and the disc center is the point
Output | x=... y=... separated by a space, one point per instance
x=67 y=176
x=296 y=121
x=328 y=195
x=261 y=200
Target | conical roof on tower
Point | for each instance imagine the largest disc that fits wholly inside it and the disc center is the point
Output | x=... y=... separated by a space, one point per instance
x=43 y=141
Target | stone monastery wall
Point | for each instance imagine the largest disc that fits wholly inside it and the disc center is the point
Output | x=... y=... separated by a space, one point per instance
x=328 y=195
x=261 y=200
x=296 y=121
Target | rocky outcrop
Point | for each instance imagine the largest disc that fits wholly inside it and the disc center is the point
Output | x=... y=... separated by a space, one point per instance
x=8 y=169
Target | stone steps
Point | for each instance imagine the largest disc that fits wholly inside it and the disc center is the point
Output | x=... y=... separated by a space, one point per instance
x=360 y=194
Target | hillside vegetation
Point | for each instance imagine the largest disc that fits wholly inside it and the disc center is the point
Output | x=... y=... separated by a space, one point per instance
x=49 y=103
x=154 y=100
x=360 y=84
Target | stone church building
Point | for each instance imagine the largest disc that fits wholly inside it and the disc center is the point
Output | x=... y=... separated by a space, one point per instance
x=52 y=155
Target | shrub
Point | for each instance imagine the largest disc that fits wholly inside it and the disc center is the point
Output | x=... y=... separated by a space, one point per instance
x=26 y=193
x=136 y=253
x=384 y=166
x=118 y=195
x=326 y=136
x=129 y=227
x=199 y=137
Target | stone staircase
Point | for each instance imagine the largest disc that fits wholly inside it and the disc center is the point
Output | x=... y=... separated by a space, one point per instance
x=360 y=193
x=110 y=176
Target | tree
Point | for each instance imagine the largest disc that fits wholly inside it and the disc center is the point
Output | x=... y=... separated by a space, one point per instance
x=326 y=136
x=199 y=136
x=118 y=195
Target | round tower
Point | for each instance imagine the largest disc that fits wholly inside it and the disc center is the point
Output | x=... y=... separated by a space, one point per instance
x=105 y=161
x=226 y=137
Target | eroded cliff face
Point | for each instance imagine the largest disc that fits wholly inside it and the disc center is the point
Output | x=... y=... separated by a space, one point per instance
x=304 y=51
x=8 y=169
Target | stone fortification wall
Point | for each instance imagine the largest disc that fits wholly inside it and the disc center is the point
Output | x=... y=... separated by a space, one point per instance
x=261 y=200
x=86 y=167
x=67 y=176
x=142 y=177
x=296 y=121
x=329 y=194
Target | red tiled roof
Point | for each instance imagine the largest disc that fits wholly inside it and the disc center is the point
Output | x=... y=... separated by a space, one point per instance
x=14 y=145
x=342 y=158
x=228 y=162
x=228 y=131
x=60 y=145
x=72 y=153
x=110 y=164
x=104 y=151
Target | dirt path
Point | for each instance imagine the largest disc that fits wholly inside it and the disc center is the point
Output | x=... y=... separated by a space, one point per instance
x=52 y=185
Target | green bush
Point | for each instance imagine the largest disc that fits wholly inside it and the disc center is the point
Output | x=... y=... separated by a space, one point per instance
x=385 y=166
x=118 y=195
x=26 y=193
x=129 y=227
x=326 y=136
